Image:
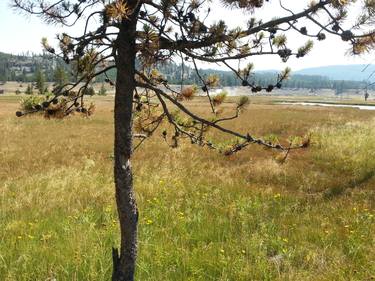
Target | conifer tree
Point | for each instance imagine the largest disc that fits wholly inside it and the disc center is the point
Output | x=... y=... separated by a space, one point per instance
x=116 y=32
x=102 y=90
x=60 y=76
x=29 y=89
x=40 y=81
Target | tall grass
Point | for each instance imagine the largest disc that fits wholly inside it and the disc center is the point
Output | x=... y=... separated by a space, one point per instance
x=347 y=153
x=203 y=216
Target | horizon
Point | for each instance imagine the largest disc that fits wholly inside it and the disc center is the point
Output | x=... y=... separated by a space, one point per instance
x=367 y=65
x=366 y=73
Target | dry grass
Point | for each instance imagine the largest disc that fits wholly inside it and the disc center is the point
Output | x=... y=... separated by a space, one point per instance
x=11 y=87
x=203 y=216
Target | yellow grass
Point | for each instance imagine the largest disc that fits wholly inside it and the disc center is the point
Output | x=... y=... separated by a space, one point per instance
x=203 y=216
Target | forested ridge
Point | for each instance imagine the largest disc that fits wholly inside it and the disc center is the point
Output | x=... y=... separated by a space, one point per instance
x=25 y=67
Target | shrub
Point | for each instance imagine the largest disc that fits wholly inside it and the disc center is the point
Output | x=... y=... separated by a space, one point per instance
x=29 y=89
x=31 y=102
x=89 y=91
x=102 y=91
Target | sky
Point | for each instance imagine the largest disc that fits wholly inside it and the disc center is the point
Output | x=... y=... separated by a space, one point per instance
x=20 y=34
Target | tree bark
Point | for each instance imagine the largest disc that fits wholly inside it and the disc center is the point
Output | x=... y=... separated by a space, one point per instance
x=125 y=259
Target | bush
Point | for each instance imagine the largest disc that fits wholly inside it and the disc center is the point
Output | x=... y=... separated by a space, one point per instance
x=89 y=91
x=30 y=103
x=29 y=89
x=102 y=91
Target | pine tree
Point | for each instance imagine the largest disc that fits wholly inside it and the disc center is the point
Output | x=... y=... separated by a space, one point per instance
x=29 y=90
x=60 y=76
x=119 y=31
x=40 y=81
x=102 y=91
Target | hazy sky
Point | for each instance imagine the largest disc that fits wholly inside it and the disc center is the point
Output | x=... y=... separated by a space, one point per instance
x=19 y=33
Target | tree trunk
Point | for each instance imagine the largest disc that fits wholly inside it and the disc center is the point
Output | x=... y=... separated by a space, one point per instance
x=125 y=259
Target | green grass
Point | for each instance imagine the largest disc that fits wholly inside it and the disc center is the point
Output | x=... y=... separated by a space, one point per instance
x=203 y=216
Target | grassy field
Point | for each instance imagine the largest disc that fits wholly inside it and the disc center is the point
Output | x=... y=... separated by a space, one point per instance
x=11 y=87
x=203 y=216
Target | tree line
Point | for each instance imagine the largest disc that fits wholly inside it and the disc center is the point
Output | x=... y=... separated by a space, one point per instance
x=39 y=69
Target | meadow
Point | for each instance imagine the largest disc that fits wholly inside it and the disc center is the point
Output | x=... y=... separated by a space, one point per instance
x=203 y=216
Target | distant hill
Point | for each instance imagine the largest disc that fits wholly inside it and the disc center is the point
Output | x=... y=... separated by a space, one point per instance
x=354 y=72
x=23 y=68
